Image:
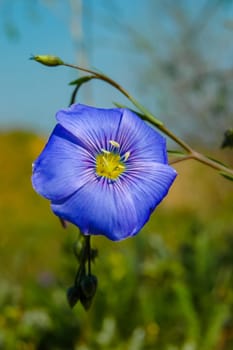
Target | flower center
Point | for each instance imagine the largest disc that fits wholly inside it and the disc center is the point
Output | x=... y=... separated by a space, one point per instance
x=109 y=163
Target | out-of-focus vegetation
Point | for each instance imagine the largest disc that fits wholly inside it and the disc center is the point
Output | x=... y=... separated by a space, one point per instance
x=171 y=286
x=168 y=288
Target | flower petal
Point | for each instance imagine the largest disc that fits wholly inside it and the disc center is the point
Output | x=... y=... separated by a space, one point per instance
x=65 y=172
x=62 y=167
x=142 y=141
x=117 y=209
x=148 y=184
x=100 y=208
x=94 y=127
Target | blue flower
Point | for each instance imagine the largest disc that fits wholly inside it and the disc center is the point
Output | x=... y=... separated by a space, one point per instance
x=104 y=170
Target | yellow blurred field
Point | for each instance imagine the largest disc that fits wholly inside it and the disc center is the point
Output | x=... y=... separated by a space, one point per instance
x=170 y=287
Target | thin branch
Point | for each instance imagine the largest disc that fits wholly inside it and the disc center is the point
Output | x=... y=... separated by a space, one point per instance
x=204 y=160
x=180 y=159
x=211 y=163
x=149 y=116
x=191 y=154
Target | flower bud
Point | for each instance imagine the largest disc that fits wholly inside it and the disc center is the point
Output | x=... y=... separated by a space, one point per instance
x=89 y=286
x=73 y=295
x=228 y=139
x=48 y=60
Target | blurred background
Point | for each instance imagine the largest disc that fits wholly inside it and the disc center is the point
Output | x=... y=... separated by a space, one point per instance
x=170 y=287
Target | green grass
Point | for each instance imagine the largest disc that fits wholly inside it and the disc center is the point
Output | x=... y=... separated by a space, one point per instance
x=168 y=288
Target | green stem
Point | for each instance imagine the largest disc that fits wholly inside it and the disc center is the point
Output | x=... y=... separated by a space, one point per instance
x=84 y=257
x=203 y=159
x=148 y=116
x=180 y=159
x=211 y=163
x=88 y=245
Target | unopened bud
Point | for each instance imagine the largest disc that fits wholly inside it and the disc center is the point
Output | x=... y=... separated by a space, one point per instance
x=89 y=286
x=73 y=295
x=48 y=60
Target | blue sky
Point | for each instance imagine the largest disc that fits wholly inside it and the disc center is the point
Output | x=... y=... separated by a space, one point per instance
x=30 y=94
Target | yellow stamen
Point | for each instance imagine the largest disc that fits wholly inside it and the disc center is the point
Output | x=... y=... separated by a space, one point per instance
x=109 y=165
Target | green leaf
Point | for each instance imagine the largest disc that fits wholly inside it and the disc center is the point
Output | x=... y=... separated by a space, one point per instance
x=217 y=161
x=174 y=152
x=142 y=116
x=120 y=105
x=82 y=80
x=78 y=83
x=148 y=116
x=226 y=175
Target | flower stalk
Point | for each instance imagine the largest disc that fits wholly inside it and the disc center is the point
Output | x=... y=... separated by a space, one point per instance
x=85 y=284
x=148 y=116
x=106 y=155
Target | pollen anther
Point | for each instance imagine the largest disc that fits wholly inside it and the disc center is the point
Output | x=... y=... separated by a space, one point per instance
x=126 y=155
x=105 y=151
x=114 y=143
